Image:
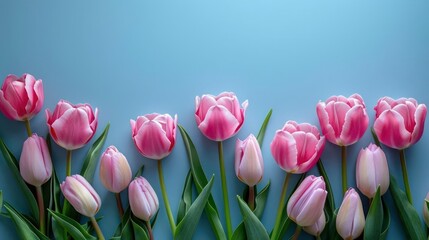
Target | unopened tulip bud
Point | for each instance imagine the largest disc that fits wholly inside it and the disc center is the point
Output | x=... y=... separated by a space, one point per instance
x=115 y=172
x=143 y=200
x=249 y=164
x=350 y=219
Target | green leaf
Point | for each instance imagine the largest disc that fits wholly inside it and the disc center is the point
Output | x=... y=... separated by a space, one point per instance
x=407 y=213
x=72 y=227
x=263 y=128
x=386 y=221
x=127 y=231
x=200 y=180
x=186 y=200
x=1 y=200
x=186 y=228
x=374 y=218
x=59 y=232
x=14 y=168
x=139 y=231
x=254 y=228
x=330 y=198
x=374 y=136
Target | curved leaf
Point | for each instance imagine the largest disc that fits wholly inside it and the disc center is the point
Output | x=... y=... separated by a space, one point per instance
x=186 y=200
x=261 y=132
x=139 y=231
x=374 y=218
x=386 y=221
x=71 y=226
x=255 y=230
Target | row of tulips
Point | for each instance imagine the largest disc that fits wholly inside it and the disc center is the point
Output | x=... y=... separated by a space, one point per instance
x=296 y=148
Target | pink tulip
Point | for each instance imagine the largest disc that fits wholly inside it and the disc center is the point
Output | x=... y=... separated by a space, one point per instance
x=21 y=98
x=154 y=134
x=372 y=171
x=425 y=210
x=72 y=126
x=350 y=219
x=297 y=147
x=399 y=123
x=35 y=164
x=249 y=164
x=219 y=117
x=343 y=120
x=115 y=172
x=307 y=202
x=81 y=195
x=143 y=200
x=317 y=228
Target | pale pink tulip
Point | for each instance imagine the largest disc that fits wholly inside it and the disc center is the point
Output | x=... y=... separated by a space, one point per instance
x=21 y=98
x=317 y=228
x=249 y=164
x=143 y=200
x=343 y=120
x=425 y=210
x=154 y=134
x=72 y=126
x=350 y=219
x=297 y=147
x=219 y=117
x=115 y=172
x=399 y=123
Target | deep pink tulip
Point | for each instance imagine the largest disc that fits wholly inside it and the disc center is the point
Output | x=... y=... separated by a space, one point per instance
x=21 y=98
x=297 y=147
x=343 y=120
x=72 y=126
x=249 y=164
x=115 y=172
x=154 y=134
x=307 y=202
x=81 y=195
x=372 y=171
x=317 y=228
x=35 y=164
x=399 y=123
x=350 y=219
x=143 y=200
x=219 y=117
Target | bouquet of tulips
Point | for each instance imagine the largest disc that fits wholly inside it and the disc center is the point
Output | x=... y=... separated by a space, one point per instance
x=65 y=206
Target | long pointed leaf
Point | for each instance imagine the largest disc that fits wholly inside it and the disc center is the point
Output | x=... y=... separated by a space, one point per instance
x=139 y=231
x=261 y=133
x=1 y=200
x=386 y=221
x=254 y=228
x=374 y=218
x=73 y=228
x=186 y=200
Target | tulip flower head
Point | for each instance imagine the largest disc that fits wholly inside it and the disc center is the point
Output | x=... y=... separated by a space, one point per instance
x=143 y=200
x=249 y=164
x=115 y=172
x=350 y=219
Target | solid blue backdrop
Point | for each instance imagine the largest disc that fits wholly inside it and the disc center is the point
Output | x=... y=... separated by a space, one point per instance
x=129 y=58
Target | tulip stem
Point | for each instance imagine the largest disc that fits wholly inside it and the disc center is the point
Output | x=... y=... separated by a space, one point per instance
x=224 y=190
x=97 y=228
x=119 y=204
x=344 y=168
x=251 y=200
x=68 y=162
x=318 y=237
x=164 y=195
x=28 y=127
x=41 y=210
x=405 y=175
x=297 y=232
x=149 y=230
x=276 y=229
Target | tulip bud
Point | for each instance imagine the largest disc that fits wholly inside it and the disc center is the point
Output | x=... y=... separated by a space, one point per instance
x=306 y=204
x=372 y=171
x=219 y=117
x=35 y=164
x=81 y=195
x=115 y=172
x=350 y=219
x=317 y=228
x=249 y=164
x=143 y=200
x=21 y=98
x=425 y=210
x=154 y=134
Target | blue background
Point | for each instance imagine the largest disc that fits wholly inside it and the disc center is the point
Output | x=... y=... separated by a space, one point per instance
x=134 y=57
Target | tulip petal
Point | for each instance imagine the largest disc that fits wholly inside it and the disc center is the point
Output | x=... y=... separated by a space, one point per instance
x=219 y=124
x=152 y=141
x=284 y=151
x=251 y=170
x=390 y=129
x=205 y=103
x=355 y=125
x=419 y=116
x=326 y=127
x=407 y=112
x=312 y=208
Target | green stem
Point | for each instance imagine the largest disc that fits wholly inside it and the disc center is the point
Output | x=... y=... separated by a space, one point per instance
x=164 y=195
x=68 y=162
x=149 y=229
x=344 y=168
x=251 y=199
x=41 y=210
x=405 y=175
x=276 y=229
x=318 y=237
x=97 y=228
x=224 y=190
x=28 y=127
x=297 y=232
x=119 y=204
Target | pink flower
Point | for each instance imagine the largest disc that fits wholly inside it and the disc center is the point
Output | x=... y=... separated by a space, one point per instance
x=350 y=219
x=307 y=202
x=297 y=147
x=115 y=172
x=249 y=164
x=81 y=195
x=154 y=134
x=35 y=164
x=219 y=117
x=343 y=120
x=72 y=126
x=399 y=123
x=21 y=98
x=143 y=200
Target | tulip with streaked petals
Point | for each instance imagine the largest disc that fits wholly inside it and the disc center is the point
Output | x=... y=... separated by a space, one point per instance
x=343 y=120
x=399 y=123
x=154 y=134
x=81 y=195
x=297 y=147
x=143 y=200
x=249 y=164
x=72 y=126
x=115 y=172
x=307 y=202
x=35 y=164
x=219 y=117
x=317 y=228
x=21 y=98
x=372 y=171
x=425 y=210
x=350 y=219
